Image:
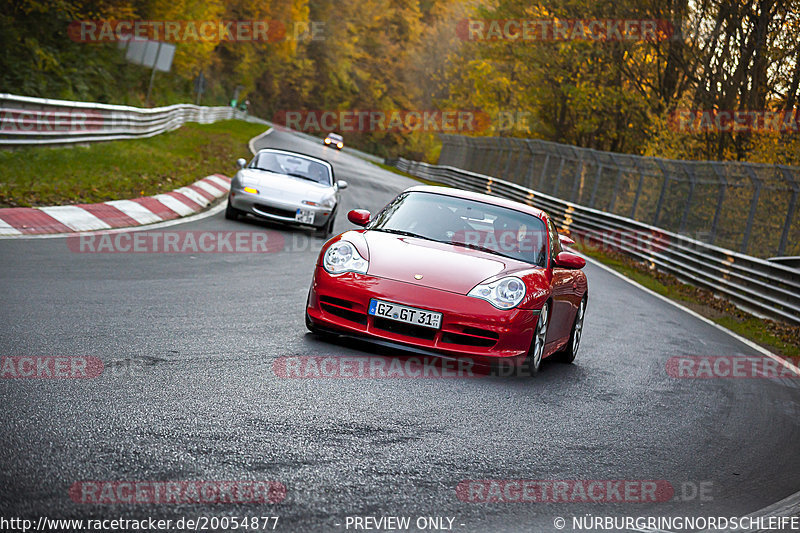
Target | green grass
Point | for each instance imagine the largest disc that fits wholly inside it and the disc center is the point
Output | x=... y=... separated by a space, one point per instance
x=122 y=169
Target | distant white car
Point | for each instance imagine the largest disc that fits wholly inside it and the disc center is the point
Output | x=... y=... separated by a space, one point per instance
x=334 y=139
x=286 y=187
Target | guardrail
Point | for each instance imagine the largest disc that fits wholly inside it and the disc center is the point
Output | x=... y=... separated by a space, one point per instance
x=28 y=121
x=754 y=284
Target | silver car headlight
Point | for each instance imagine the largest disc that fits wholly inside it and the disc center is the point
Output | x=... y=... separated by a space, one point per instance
x=504 y=293
x=342 y=256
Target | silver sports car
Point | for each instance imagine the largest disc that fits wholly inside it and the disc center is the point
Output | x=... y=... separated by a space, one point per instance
x=286 y=187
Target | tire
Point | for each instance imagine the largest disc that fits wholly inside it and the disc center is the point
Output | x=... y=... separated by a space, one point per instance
x=231 y=213
x=327 y=230
x=535 y=355
x=567 y=355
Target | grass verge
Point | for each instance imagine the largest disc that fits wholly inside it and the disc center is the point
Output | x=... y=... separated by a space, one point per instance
x=778 y=337
x=122 y=169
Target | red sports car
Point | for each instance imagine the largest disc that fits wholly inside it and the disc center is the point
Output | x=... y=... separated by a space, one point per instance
x=455 y=273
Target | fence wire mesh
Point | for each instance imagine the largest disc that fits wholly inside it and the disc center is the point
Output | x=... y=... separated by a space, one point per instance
x=747 y=207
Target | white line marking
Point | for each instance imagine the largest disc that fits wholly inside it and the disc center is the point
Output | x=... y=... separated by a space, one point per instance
x=137 y=212
x=173 y=203
x=193 y=195
x=75 y=217
x=8 y=229
x=210 y=189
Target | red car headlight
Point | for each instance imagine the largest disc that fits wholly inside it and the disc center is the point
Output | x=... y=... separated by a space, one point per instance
x=342 y=256
x=504 y=293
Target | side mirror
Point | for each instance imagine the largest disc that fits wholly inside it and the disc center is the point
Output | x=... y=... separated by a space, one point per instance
x=359 y=217
x=565 y=241
x=342 y=184
x=570 y=260
x=241 y=162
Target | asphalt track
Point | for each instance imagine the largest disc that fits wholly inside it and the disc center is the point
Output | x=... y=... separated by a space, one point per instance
x=189 y=393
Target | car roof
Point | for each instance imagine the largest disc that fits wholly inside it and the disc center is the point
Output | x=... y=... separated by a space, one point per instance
x=331 y=134
x=480 y=197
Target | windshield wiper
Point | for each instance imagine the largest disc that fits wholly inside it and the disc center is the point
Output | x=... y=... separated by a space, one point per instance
x=404 y=233
x=474 y=247
x=301 y=176
x=480 y=248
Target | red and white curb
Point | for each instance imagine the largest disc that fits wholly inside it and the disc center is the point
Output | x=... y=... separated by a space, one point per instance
x=18 y=221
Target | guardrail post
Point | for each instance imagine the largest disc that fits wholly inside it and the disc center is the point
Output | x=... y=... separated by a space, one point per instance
x=491 y=157
x=692 y=181
x=596 y=182
x=558 y=174
x=520 y=159
x=578 y=172
x=511 y=154
x=723 y=186
x=544 y=171
x=480 y=164
x=617 y=179
x=753 y=206
x=531 y=166
x=637 y=161
x=444 y=154
x=790 y=211
x=499 y=151
x=663 y=192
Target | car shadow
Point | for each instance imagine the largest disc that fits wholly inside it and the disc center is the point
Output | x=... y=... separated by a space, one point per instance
x=549 y=371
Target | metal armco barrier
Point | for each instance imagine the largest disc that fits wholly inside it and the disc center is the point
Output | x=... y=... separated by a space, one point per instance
x=748 y=207
x=754 y=284
x=28 y=121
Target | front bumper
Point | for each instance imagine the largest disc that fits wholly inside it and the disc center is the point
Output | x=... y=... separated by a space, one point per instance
x=281 y=211
x=470 y=327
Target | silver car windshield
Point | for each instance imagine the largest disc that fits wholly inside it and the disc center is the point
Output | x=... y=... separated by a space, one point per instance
x=292 y=165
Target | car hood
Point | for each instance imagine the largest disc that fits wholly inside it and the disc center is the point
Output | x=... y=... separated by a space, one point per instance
x=281 y=186
x=442 y=266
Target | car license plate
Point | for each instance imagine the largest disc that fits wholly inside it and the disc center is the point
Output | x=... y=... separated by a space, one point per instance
x=304 y=216
x=408 y=315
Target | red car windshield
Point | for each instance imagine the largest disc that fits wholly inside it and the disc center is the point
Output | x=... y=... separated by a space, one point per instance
x=466 y=223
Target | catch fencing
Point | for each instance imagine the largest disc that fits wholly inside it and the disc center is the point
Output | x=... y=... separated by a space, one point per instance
x=751 y=208
x=757 y=285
